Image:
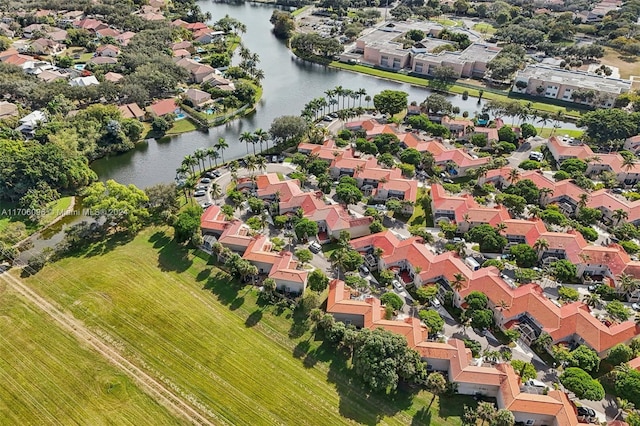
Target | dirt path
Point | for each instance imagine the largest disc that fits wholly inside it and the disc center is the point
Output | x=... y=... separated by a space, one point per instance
x=155 y=389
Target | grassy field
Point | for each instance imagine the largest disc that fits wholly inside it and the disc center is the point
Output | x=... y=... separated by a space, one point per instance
x=46 y=377
x=249 y=364
x=627 y=67
x=453 y=88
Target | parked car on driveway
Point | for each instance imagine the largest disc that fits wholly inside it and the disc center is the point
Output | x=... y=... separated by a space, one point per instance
x=315 y=247
x=397 y=285
x=364 y=270
x=205 y=180
x=200 y=193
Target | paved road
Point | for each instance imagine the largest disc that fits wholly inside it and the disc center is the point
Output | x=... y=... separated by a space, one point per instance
x=522 y=153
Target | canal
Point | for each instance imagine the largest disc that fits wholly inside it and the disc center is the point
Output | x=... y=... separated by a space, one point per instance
x=288 y=85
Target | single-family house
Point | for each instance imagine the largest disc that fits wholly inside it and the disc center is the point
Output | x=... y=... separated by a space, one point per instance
x=84 y=81
x=108 y=50
x=198 y=98
x=163 y=107
x=131 y=110
x=113 y=77
x=29 y=123
x=8 y=110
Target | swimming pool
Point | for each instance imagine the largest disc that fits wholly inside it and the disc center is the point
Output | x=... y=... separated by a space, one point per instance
x=180 y=116
x=80 y=67
x=209 y=111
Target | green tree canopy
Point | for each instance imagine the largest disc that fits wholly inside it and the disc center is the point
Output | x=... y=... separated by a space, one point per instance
x=390 y=101
x=582 y=384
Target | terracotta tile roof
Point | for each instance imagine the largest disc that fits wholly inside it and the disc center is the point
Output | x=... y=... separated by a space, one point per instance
x=529 y=229
x=409 y=187
x=163 y=107
x=386 y=240
x=213 y=219
x=559 y=148
x=492 y=134
x=337 y=218
x=570 y=242
x=131 y=111
x=108 y=32
x=236 y=233
x=614 y=257
x=113 y=77
x=181 y=45
x=461 y=158
x=635 y=363
x=378 y=174
x=491 y=216
x=448 y=121
x=307 y=201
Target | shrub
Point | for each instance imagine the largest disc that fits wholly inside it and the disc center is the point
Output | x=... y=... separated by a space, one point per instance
x=530 y=165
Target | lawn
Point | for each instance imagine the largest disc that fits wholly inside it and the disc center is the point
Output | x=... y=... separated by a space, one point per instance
x=182 y=126
x=7 y=209
x=447 y=22
x=419 y=216
x=628 y=65
x=211 y=340
x=48 y=378
x=452 y=88
x=546 y=132
x=484 y=28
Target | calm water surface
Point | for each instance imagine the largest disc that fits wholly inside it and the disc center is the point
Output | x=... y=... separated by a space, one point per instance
x=288 y=85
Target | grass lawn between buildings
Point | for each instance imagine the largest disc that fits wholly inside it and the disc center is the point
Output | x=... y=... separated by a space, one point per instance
x=628 y=65
x=453 y=88
x=182 y=126
x=49 y=378
x=187 y=322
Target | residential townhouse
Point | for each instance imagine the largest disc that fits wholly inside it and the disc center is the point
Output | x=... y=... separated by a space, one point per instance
x=471 y=62
x=463 y=210
x=256 y=249
x=609 y=203
x=565 y=85
x=527 y=308
x=327 y=151
x=451 y=357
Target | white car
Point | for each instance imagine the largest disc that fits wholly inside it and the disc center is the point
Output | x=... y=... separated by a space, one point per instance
x=435 y=302
x=315 y=247
x=200 y=193
x=397 y=285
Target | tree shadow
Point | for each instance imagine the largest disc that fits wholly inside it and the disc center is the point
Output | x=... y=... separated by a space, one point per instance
x=159 y=239
x=418 y=220
x=237 y=303
x=357 y=402
x=422 y=417
x=301 y=349
x=174 y=257
x=300 y=323
x=254 y=318
x=109 y=243
x=203 y=275
x=225 y=288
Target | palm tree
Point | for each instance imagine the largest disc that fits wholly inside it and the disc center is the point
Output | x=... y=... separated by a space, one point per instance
x=251 y=163
x=544 y=192
x=190 y=161
x=367 y=99
x=244 y=52
x=534 y=212
x=628 y=163
x=261 y=136
x=501 y=227
x=247 y=137
x=182 y=171
x=591 y=299
x=514 y=175
x=541 y=245
x=583 y=200
x=545 y=117
x=543 y=341
x=261 y=163
x=624 y=406
x=619 y=215
x=339 y=91
x=458 y=281
x=200 y=155
x=210 y=155
x=215 y=157
x=361 y=92
x=221 y=145
x=627 y=283
x=215 y=190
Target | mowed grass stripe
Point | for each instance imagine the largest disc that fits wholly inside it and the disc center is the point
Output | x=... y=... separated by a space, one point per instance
x=46 y=377
x=197 y=343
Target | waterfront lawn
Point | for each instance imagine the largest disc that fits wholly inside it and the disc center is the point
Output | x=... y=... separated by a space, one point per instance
x=56 y=207
x=182 y=126
x=49 y=378
x=215 y=342
x=453 y=88
x=546 y=132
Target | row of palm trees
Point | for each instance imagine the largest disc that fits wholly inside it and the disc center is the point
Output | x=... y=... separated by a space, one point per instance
x=335 y=101
x=250 y=63
x=189 y=162
x=258 y=136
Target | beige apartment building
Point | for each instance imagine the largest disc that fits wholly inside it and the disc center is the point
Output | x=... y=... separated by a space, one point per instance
x=558 y=83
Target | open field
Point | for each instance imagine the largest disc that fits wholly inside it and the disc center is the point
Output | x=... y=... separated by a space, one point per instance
x=614 y=58
x=213 y=342
x=47 y=377
x=484 y=28
x=546 y=132
x=453 y=88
